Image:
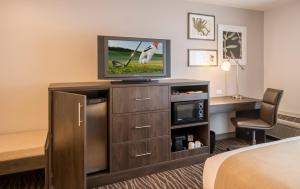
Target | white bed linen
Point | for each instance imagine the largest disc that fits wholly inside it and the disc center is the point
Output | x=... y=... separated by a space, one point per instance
x=213 y=163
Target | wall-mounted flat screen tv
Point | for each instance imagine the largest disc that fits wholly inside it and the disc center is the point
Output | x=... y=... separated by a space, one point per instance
x=127 y=58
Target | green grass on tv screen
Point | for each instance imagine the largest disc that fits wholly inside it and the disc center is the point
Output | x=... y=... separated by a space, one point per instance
x=155 y=66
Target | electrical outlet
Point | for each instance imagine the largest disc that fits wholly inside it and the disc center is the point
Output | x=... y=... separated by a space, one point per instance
x=219 y=92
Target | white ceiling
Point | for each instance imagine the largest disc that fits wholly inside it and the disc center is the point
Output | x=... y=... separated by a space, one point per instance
x=261 y=5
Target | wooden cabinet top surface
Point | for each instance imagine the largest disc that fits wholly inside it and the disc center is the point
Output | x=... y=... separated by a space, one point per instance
x=106 y=84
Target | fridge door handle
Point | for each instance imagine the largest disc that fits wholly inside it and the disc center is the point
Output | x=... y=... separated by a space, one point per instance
x=79 y=114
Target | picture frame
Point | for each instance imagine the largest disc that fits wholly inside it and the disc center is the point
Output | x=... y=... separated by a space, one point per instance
x=201 y=26
x=232 y=44
x=202 y=57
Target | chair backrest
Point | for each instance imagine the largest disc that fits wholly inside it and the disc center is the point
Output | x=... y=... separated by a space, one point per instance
x=269 y=106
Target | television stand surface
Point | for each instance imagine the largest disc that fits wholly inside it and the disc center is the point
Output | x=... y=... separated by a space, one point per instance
x=135 y=80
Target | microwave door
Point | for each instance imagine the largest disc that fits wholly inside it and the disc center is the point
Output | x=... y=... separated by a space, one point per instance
x=185 y=112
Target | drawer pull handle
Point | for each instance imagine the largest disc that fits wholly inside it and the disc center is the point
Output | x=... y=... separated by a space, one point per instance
x=141 y=155
x=143 y=127
x=142 y=99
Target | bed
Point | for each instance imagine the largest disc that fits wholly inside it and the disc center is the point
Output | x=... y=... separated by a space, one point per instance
x=274 y=165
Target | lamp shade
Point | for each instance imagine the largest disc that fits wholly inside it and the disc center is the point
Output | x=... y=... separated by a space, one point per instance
x=226 y=66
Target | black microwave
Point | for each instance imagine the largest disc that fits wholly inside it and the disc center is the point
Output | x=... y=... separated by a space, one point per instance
x=187 y=112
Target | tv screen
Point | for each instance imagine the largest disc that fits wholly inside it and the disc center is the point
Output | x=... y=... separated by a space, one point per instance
x=126 y=58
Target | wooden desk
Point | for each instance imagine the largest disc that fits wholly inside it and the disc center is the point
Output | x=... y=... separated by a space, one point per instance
x=230 y=104
x=22 y=151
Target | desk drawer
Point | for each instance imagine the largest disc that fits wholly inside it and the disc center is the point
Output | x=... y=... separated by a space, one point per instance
x=138 y=99
x=140 y=126
x=137 y=154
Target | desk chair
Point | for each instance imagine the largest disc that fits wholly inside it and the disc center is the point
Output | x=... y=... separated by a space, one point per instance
x=268 y=114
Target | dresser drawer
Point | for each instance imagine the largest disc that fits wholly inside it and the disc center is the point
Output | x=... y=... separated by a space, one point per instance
x=140 y=126
x=138 y=99
x=137 y=154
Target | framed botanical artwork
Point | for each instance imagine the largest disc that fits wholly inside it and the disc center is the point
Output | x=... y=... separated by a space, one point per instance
x=232 y=43
x=201 y=26
x=197 y=57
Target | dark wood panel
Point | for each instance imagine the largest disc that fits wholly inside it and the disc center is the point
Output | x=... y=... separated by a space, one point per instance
x=140 y=126
x=21 y=165
x=48 y=154
x=189 y=153
x=80 y=86
x=138 y=99
x=189 y=97
x=137 y=154
x=126 y=100
x=105 y=84
x=69 y=140
x=189 y=125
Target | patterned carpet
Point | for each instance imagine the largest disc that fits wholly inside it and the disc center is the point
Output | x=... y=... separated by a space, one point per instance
x=184 y=178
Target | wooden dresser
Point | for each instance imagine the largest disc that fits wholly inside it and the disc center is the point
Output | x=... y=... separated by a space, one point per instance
x=139 y=131
x=140 y=126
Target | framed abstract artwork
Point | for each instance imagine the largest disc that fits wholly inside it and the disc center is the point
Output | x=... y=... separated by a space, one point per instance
x=232 y=43
x=201 y=26
x=198 y=57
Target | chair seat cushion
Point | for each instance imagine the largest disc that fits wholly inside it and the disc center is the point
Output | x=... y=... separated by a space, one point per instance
x=250 y=123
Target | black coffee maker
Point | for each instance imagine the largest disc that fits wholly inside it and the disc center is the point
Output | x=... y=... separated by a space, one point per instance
x=179 y=142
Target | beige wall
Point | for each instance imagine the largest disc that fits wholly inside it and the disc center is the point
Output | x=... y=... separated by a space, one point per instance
x=282 y=56
x=55 y=41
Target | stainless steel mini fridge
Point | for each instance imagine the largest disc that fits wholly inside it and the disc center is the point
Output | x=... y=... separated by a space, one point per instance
x=96 y=135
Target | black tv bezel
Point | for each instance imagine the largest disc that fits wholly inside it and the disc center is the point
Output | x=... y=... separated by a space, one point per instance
x=103 y=58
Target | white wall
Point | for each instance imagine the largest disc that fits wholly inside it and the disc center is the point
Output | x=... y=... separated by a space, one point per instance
x=55 y=41
x=282 y=56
